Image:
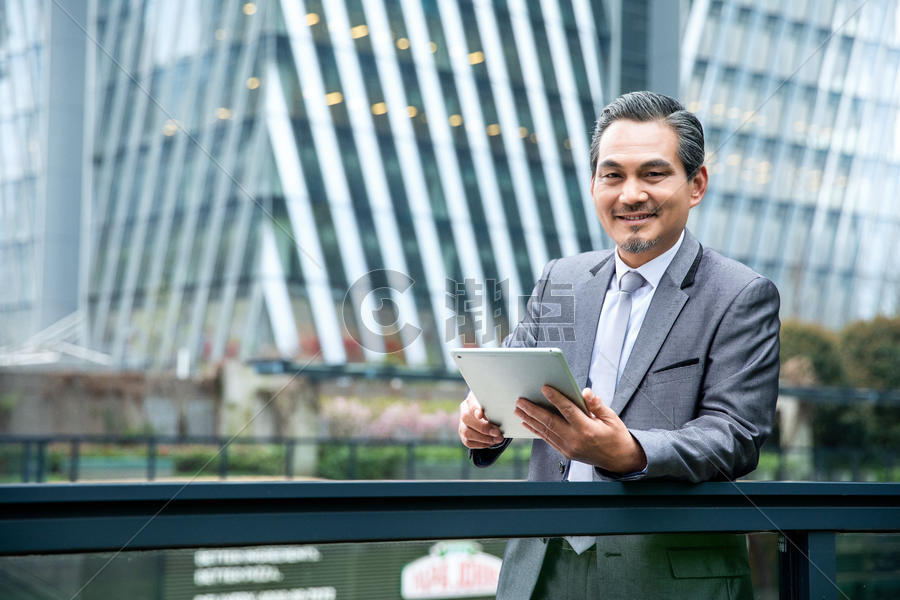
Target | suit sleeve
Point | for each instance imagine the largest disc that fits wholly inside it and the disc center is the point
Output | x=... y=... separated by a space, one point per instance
x=525 y=335
x=736 y=405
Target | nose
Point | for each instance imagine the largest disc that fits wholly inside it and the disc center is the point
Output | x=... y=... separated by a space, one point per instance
x=632 y=192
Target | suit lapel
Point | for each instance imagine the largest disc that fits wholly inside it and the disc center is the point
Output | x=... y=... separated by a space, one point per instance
x=668 y=300
x=589 y=295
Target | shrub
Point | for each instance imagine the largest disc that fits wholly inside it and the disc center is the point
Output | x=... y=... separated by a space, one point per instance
x=817 y=345
x=243 y=459
x=871 y=352
x=372 y=462
x=195 y=460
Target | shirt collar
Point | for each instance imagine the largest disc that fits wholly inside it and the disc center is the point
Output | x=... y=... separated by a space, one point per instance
x=653 y=270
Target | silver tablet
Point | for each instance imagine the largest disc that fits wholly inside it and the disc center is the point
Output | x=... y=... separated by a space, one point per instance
x=500 y=376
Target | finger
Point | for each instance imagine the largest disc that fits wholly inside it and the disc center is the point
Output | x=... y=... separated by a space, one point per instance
x=473 y=445
x=473 y=417
x=532 y=410
x=482 y=426
x=565 y=406
x=554 y=442
x=477 y=410
x=547 y=425
x=600 y=409
x=475 y=439
x=592 y=402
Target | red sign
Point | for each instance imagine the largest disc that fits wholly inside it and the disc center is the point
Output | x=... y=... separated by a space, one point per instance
x=451 y=570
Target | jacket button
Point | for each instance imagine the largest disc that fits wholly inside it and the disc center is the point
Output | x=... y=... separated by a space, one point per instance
x=562 y=467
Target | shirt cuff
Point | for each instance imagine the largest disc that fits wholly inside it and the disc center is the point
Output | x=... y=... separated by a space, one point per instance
x=630 y=476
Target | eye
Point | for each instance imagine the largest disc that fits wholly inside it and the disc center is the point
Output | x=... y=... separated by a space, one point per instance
x=609 y=176
x=656 y=174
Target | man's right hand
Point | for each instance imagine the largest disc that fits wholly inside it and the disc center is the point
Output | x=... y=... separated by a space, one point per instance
x=474 y=430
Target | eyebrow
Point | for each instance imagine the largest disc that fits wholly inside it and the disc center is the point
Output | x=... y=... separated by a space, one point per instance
x=656 y=162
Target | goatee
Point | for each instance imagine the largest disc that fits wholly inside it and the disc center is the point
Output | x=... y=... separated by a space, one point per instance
x=637 y=245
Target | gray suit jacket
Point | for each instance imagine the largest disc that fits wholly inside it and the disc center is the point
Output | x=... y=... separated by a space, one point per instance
x=698 y=393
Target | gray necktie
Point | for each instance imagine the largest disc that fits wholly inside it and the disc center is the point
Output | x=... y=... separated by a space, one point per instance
x=604 y=373
x=604 y=376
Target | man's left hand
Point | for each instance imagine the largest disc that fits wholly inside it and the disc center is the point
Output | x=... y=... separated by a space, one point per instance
x=599 y=438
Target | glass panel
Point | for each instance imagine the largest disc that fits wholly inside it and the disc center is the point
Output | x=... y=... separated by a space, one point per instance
x=868 y=565
x=370 y=571
x=867 y=568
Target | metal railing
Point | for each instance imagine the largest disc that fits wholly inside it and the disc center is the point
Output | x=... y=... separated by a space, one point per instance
x=33 y=461
x=55 y=518
x=28 y=458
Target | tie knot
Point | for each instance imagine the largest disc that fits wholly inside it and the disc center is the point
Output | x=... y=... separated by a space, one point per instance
x=630 y=281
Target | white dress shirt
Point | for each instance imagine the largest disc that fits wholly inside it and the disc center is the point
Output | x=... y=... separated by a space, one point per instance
x=652 y=272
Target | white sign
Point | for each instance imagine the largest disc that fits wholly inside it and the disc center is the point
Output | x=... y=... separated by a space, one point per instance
x=451 y=570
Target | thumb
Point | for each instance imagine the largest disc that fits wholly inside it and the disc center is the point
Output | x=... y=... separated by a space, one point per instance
x=594 y=403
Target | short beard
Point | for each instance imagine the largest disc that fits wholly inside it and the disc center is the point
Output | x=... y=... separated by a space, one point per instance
x=636 y=245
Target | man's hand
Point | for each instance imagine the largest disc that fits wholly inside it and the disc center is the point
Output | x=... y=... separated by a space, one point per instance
x=474 y=430
x=600 y=438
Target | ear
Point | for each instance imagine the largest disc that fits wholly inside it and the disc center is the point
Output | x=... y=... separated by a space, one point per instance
x=698 y=186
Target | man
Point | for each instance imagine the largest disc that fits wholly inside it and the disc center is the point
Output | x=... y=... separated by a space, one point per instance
x=677 y=348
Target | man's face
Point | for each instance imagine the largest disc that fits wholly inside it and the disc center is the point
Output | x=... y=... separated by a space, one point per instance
x=640 y=189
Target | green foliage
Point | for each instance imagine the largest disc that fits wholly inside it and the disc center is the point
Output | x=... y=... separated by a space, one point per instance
x=836 y=426
x=193 y=460
x=817 y=344
x=10 y=462
x=865 y=354
x=256 y=460
x=372 y=462
x=871 y=352
x=243 y=459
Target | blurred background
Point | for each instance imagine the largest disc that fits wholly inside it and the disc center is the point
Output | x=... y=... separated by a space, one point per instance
x=239 y=239
x=208 y=179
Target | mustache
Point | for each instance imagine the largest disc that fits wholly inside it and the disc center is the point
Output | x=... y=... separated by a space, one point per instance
x=641 y=207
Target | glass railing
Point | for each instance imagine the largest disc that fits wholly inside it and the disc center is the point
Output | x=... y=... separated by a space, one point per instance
x=304 y=540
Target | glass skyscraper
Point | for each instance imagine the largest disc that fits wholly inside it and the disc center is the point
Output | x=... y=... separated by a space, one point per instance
x=303 y=178
x=252 y=163
x=42 y=111
x=801 y=104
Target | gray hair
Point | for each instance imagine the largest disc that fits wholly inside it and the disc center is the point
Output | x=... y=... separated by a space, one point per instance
x=649 y=106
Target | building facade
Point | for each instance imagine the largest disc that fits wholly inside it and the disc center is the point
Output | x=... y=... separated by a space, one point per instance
x=801 y=104
x=380 y=181
x=42 y=110
x=334 y=181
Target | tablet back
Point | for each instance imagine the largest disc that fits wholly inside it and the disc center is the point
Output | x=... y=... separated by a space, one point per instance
x=500 y=376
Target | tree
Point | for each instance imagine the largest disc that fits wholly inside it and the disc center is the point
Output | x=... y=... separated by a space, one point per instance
x=804 y=344
x=871 y=353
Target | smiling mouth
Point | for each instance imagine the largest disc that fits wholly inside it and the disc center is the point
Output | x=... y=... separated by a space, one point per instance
x=636 y=218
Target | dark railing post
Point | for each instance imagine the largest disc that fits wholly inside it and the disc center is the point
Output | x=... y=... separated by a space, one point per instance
x=779 y=465
x=410 y=460
x=26 y=461
x=351 y=467
x=807 y=565
x=151 y=459
x=41 y=474
x=74 y=457
x=289 y=449
x=223 y=461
